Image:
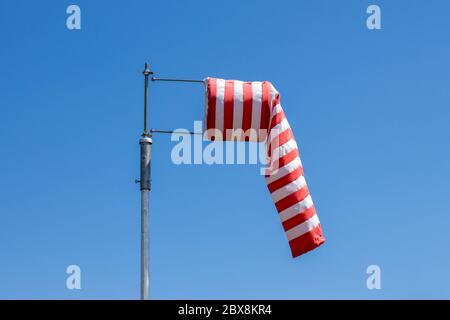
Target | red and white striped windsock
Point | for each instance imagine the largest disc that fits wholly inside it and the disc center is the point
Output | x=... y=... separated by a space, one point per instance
x=251 y=111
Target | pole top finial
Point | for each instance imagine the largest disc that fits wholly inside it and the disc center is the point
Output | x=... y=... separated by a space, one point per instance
x=147 y=71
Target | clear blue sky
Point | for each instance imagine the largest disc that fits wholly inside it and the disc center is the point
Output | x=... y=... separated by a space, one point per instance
x=370 y=110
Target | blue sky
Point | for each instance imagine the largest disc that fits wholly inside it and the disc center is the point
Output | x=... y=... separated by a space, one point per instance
x=369 y=109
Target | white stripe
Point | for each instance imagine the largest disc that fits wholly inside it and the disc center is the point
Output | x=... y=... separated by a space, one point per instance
x=220 y=93
x=238 y=109
x=296 y=209
x=277 y=173
x=278 y=129
x=303 y=228
x=273 y=92
x=277 y=109
x=288 y=189
x=257 y=103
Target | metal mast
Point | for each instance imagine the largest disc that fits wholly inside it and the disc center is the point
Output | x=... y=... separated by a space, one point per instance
x=145 y=183
x=145 y=141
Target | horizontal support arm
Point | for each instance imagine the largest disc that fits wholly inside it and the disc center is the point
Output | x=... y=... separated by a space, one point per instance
x=174 y=131
x=177 y=80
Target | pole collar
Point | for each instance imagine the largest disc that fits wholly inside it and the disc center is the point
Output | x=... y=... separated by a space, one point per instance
x=145 y=139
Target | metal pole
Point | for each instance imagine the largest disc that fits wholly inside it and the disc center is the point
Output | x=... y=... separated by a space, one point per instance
x=145 y=185
x=145 y=141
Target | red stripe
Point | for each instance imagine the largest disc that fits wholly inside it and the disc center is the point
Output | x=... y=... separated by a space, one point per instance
x=284 y=160
x=288 y=157
x=299 y=218
x=211 y=110
x=277 y=184
x=228 y=106
x=276 y=100
x=265 y=106
x=307 y=242
x=292 y=199
x=248 y=102
x=283 y=137
x=276 y=119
